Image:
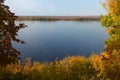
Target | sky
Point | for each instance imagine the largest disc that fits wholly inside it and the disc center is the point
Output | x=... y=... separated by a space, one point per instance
x=56 y=7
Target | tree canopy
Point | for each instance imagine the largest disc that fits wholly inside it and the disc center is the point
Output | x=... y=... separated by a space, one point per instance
x=8 y=31
x=112 y=23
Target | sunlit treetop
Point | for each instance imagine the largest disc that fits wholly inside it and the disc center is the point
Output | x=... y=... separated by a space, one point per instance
x=113 y=17
x=112 y=7
x=112 y=23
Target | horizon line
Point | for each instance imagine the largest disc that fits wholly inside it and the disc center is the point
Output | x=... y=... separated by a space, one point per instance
x=59 y=15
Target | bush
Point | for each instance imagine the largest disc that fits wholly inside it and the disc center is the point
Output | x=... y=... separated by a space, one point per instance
x=76 y=67
x=96 y=67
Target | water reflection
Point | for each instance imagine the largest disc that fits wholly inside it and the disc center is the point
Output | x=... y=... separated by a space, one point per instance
x=46 y=41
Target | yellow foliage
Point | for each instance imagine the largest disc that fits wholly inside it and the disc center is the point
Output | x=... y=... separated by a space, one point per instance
x=96 y=67
x=96 y=61
x=112 y=6
x=108 y=30
x=38 y=66
x=75 y=59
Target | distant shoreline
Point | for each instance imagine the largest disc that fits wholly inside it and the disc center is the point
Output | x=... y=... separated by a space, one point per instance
x=58 y=18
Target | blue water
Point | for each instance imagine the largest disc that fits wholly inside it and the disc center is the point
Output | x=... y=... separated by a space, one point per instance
x=47 y=41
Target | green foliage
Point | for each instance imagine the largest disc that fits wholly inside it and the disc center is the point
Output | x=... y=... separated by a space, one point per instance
x=110 y=62
x=112 y=23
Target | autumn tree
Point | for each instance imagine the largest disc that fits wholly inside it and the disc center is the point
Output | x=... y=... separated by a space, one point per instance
x=110 y=58
x=112 y=23
x=8 y=33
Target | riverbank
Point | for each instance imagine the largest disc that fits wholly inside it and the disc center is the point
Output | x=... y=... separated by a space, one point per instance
x=57 y=18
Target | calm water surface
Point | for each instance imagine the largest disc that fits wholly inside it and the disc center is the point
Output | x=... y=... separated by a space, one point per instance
x=47 y=41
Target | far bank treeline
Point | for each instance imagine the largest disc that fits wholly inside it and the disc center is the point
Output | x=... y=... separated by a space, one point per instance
x=57 y=18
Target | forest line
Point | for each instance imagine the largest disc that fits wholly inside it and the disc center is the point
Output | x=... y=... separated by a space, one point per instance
x=57 y=18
